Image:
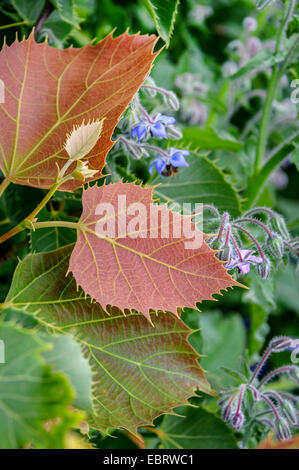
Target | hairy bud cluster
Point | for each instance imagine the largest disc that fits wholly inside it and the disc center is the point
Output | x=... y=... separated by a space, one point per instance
x=266 y=248
x=272 y=409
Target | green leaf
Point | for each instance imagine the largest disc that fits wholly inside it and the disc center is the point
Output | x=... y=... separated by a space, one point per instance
x=293 y=26
x=201 y=182
x=198 y=430
x=259 y=329
x=207 y=138
x=218 y=331
x=163 y=13
x=29 y=10
x=260 y=293
x=287 y=288
x=139 y=372
x=20 y=200
x=264 y=58
x=51 y=238
x=67 y=11
x=66 y=356
x=56 y=29
x=30 y=394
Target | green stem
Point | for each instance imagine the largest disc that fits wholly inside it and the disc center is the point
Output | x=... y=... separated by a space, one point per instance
x=55 y=223
x=29 y=220
x=258 y=181
x=263 y=133
x=275 y=77
x=12 y=25
x=5 y=183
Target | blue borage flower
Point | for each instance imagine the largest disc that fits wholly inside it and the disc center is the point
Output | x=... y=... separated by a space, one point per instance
x=176 y=158
x=156 y=127
x=244 y=264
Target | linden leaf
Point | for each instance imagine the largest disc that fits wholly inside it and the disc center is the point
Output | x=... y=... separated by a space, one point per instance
x=48 y=91
x=142 y=264
x=82 y=139
x=270 y=443
x=138 y=371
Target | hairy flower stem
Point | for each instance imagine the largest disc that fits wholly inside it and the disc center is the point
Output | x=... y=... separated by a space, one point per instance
x=257 y=222
x=260 y=364
x=258 y=210
x=273 y=407
x=236 y=247
x=157 y=88
x=144 y=146
x=242 y=229
x=275 y=77
x=273 y=373
x=224 y=220
x=145 y=113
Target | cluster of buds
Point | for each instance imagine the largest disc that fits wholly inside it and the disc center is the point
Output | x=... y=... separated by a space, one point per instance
x=252 y=402
x=193 y=92
x=139 y=127
x=241 y=52
x=269 y=240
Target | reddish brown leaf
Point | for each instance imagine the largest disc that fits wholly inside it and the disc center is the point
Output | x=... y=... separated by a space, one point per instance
x=142 y=273
x=48 y=91
x=269 y=443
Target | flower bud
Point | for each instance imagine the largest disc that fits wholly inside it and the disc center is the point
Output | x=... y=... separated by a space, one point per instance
x=249 y=24
x=237 y=420
x=280 y=343
x=83 y=172
x=263 y=269
x=134 y=149
x=227 y=413
x=294 y=374
x=253 y=45
x=225 y=253
x=275 y=246
x=229 y=68
x=282 y=428
x=174 y=133
x=150 y=92
x=280 y=227
x=171 y=100
x=289 y=411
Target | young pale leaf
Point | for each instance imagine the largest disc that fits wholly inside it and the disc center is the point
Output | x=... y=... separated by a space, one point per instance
x=163 y=13
x=142 y=263
x=49 y=91
x=198 y=430
x=82 y=139
x=31 y=394
x=201 y=182
x=139 y=372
